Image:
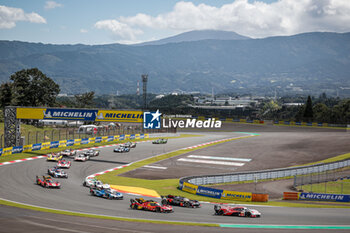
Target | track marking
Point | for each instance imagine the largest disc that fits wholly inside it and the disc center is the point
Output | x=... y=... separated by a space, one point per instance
x=219 y=158
x=49 y=226
x=211 y=162
x=156 y=167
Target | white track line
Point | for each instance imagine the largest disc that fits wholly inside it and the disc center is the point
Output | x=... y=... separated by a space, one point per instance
x=148 y=166
x=219 y=158
x=211 y=162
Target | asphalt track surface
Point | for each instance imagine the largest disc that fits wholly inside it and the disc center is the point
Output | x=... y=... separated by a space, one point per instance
x=18 y=184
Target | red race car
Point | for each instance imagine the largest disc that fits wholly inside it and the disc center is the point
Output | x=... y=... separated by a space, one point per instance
x=47 y=182
x=63 y=163
x=240 y=211
x=150 y=205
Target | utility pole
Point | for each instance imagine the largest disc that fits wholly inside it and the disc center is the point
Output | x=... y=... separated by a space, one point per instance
x=144 y=82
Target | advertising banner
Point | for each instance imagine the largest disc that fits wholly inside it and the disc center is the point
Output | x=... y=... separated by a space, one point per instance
x=121 y=137
x=120 y=116
x=71 y=142
x=27 y=148
x=45 y=145
x=92 y=140
x=79 y=114
x=236 y=196
x=324 y=197
x=142 y=136
x=17 y=149
x=84 y=141
x=110 y=138
x=54 y=144
x=36 y=147
x=146 y=135
x=191 y=188
x=77 y=141
x=132 y=136
x=209 y=192
x=105 y=139
x=127 y=136
x=7 y=151
x=63 y=143
x=137 y=136
x=0 y=151
x=98 y=139
x=116 y=138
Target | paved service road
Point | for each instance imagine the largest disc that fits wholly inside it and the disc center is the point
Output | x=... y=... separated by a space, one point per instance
x=18 y=184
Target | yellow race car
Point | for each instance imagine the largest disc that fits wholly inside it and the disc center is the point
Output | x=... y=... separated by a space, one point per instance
x=54 y=157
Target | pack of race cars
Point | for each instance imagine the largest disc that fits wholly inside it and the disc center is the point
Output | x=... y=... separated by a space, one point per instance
x=99 y=189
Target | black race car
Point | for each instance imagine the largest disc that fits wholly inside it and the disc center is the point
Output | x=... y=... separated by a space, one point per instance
x=180 y=201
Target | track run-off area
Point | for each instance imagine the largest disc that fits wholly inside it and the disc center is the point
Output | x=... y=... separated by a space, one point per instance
x=272 y=149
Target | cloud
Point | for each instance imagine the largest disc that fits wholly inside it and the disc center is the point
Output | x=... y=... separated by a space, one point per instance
x=255 y=19
x=83 y=30
x=120 y=29
x=51 y=5
x=9 y=16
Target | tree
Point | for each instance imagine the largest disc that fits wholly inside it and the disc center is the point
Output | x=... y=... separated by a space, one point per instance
x=33 y=88
x=5 y=95
x=308 y=113
x=321 y=113
x=84 y=100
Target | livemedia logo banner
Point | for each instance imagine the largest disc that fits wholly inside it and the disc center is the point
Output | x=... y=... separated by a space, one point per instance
x=152 y=120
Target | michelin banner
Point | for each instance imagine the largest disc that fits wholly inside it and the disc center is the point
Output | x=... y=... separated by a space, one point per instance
x=79 y=114
x=324 y=197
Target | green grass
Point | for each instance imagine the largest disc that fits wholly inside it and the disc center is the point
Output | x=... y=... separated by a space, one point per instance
x=334 y=187
x=6 y=158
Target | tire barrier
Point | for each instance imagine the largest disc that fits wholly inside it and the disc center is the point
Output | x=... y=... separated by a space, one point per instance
x=192 y=184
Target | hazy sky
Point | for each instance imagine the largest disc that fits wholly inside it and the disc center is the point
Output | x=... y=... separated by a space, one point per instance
x=132 y=21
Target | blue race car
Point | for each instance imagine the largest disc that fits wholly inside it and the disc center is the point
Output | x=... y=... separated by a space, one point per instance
x=121 y=149
x=106 y=193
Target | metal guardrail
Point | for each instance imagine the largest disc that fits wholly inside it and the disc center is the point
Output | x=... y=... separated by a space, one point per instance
x=265 y=174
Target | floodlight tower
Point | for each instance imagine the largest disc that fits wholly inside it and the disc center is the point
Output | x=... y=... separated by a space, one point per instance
x=144 y=82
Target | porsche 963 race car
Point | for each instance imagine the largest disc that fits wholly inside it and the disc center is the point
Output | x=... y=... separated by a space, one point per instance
x=240 y=211
x=57 y=172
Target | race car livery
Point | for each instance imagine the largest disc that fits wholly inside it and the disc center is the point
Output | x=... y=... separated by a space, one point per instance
x=57 y=172
x=121 y=149
x=240 y=211
x=63 y=163
x=92 y=153
x=54 y=157
x=47 y=182
x=130 y=144
x=69 y=152
x=81 y=157
x=180 y=201
x=150 y=205
x=106 y=193
x=160 y=141
x=94 y=183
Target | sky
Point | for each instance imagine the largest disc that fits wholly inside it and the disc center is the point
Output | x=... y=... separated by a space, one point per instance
x=134 y=21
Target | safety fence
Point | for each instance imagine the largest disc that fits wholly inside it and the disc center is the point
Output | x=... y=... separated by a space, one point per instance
x=312 y=124
x=67 y=143
x=193 y=184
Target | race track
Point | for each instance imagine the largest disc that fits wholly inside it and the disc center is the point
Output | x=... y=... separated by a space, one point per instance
x=18 y=184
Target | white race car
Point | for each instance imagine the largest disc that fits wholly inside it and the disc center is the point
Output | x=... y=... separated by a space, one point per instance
x=57 y=172
x=81 y=157
x=69 y=152
x=92 y=182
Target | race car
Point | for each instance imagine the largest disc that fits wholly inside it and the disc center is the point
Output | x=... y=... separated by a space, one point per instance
x=54 y=157
x=240 y=211
x=69 y=152
x=160 y=141
x=150 y=205
x=57 y=172
x=94 y=183
x=92 y=153
x=81 y=157
x=63 y=163
x=106 y=193
x=121 y=149
x=180 y=201
x=47 y=182
x=130 y=144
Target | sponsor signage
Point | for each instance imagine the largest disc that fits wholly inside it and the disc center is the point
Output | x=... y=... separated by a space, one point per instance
x=151 y=120
x=27 y=148
x=70 y=142
x=324 y=197
x=236 y=196
x=63 y=143
x=110 y=138
x=191 y=188
x=98 y=139
x=54 y=144
x=79 y=114
x=17 y=149
x=209 y=192
x=84 y=141
x=0 y=151
x=36 y=147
